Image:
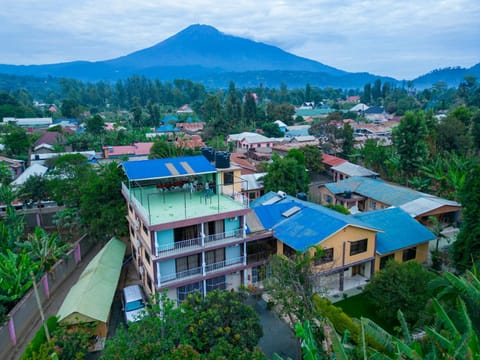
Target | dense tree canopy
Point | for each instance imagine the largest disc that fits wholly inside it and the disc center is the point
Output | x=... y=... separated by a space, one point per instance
x=286 y=174
x=400 y=286
x=219 y=326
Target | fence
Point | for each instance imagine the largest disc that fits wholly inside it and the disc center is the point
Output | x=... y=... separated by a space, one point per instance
x=25 y=314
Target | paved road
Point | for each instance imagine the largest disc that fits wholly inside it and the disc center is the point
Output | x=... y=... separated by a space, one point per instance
x=278 y=337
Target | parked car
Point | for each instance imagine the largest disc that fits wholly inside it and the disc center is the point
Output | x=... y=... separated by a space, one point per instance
x=133 y=303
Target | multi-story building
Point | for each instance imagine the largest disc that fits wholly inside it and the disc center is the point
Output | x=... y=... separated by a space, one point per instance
x=187 y=222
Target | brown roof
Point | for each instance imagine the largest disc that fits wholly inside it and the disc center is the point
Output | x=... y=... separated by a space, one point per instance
x=51 y=138
x=332 y=160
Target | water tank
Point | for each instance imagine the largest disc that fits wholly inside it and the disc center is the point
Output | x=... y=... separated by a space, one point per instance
x=222 y=160
x=302 y=196
x=209 y=153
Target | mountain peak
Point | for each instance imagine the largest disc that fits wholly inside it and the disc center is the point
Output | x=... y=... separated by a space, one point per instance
x=199 y=29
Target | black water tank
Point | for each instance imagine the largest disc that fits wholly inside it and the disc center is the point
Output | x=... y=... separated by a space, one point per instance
x=222 y=160
x=302 y=196
x=209 y=153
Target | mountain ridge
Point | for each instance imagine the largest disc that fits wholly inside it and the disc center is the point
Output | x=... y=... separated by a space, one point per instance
x=202 y=53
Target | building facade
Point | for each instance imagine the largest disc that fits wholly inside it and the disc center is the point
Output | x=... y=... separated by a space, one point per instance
x=187 y=221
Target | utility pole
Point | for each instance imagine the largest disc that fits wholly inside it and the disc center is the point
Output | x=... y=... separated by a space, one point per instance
x=42 y=316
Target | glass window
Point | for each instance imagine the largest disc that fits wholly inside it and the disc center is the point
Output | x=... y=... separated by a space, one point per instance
x=373 y=204
x=215 y=256
x=385 y=259
x=228 y=178
x=409 y=254
x=184 y=291
x=358 y=247
x=326 y=257
x=217 y=283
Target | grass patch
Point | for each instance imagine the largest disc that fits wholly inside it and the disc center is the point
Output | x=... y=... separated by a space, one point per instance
x=358 y=306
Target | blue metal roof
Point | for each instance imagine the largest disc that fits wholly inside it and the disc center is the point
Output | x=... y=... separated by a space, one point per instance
x=375 y=189
x=169 y=167
x=305 y=228
x=400 y=230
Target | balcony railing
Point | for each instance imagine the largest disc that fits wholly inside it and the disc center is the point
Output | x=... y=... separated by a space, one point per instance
x=223 y=264
x=238 y=233
x=180 y=246
x=168 y=278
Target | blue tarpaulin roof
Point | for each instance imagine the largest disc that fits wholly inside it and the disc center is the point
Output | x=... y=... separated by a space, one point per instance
x=305 y=228
x=400 y=230
x=169 y=167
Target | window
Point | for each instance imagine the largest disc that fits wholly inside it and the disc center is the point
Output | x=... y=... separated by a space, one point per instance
x=409 y=254
x=385 y=259
x=328 y=199
x=228 y=178
x=288 y=251
x=184 y=291
x=187 y=263
x=258 y=274
x=373 y=204
x=326 y=258
x=358 y=247
x=215 y=256
x=217 y=283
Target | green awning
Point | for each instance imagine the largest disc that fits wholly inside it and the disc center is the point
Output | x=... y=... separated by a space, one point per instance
x=90 y=299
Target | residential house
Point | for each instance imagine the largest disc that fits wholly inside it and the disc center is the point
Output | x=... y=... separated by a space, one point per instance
x=49 y=142
x=347 y=169
x=184 y=109
x=281 y=125
x=367 y=194
x=355 y=246
x=297 y=225
x=252 y=185
x=32 y=170
x=42 y=158
x=401 y=239
x=187 y=221
x=139 y=150
x=28 y=122
x=330 y=161
x=249 y=140
x=15 y=167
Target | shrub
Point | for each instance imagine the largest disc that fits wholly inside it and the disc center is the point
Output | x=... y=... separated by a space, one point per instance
x=39 y=339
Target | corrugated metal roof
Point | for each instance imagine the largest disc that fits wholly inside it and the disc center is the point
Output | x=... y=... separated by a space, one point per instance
x=394 y=195
x=307 y=227
x=169 y=167
x=353 y=169
x=400 y=230
x=426 y=204
x=90 y=299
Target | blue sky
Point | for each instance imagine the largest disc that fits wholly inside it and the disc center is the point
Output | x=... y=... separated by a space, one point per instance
x=401 y=38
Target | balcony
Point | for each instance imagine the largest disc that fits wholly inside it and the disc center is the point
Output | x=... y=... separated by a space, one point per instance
x=196 y=273
x=180 y=247
x=160 y=205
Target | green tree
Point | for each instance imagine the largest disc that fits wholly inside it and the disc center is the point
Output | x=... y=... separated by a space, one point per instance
x=5 y=174
x=250 y=110
x=290 y=284
x=17 y=142
x=35 y=189
x=95 y=125
x=348 y=140
x=44 y=248
x=272 y=130
x=410 y=142
x=313 y=159
x=467 y=245
x=102 y=206
x=400 y=287
x=15 y=277
x=286 y=174
x=219 y=326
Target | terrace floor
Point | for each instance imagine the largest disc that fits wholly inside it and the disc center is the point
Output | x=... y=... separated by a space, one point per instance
x=163 y=206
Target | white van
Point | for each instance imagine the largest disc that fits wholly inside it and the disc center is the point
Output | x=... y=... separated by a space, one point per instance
x=133 y=302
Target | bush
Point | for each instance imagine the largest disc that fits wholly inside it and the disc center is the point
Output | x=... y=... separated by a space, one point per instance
x=341 y=321
x=39 y=339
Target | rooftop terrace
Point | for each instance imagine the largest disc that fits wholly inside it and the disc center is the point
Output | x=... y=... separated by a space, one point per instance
x=160 y=206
